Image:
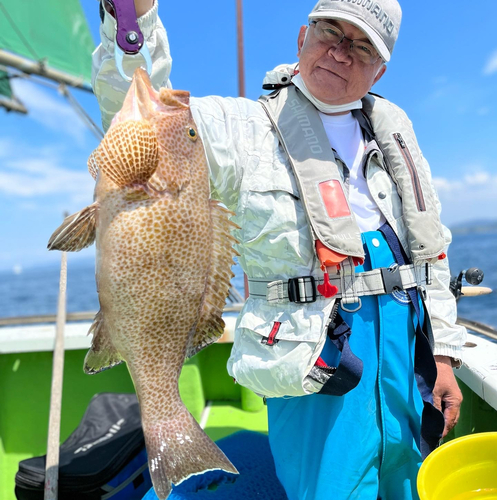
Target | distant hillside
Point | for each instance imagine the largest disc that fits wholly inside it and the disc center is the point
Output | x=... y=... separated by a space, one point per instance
x=475 y=227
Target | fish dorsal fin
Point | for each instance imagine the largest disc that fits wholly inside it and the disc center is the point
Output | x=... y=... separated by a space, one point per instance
x=128 y=154
x=175 y=98
x=76 y=232
x=102 y=354
x=210 y=326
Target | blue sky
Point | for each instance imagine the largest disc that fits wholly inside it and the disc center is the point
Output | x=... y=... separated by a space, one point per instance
x=443 y=73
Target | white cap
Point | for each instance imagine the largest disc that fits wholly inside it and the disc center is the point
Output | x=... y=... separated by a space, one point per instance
x=379 y=20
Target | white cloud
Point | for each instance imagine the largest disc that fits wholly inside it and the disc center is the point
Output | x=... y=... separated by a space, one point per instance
x=471 y=196
x=51 y=110
x=32 y=174
x=444 y=185
x=7 y=147
x=491 y=66
x=479 y=179
x=28 y=206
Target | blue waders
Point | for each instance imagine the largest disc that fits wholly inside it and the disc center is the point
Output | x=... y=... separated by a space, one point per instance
x=365 y=444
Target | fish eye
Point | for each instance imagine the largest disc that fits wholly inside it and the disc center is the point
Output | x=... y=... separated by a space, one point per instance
x=192 y=133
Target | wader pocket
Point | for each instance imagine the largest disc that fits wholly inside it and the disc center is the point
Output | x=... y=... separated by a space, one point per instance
x=272 y=360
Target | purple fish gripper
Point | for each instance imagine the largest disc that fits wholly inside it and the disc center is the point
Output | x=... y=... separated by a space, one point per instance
x=129 y=38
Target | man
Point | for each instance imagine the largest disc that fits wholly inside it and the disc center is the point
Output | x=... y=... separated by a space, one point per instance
x=364 y=433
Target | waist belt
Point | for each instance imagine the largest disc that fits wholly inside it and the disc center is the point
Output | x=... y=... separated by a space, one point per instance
x=351 y=286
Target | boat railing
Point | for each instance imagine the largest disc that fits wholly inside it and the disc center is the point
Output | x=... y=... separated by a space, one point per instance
x=234 y=307
x=479 y=328
x=79 y=316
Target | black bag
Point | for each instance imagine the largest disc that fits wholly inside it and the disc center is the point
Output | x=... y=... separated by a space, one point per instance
x=104 y=458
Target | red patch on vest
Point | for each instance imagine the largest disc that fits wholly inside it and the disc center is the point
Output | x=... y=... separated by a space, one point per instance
x=334 y=199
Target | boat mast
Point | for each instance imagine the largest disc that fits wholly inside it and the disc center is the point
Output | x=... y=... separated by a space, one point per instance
x=241 y=80
x=241 y=63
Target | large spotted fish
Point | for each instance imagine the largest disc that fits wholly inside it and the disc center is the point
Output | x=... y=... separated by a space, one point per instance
x=164 y=256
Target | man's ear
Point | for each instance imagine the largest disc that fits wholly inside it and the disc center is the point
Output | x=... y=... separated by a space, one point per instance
x=301 y=39
x=381 y=72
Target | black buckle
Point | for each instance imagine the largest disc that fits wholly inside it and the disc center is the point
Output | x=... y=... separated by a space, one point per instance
x=392 y=280
x=429 y=279
x=298 y=285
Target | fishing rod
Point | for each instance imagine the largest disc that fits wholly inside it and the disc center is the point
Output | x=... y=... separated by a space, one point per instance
x=473 y=276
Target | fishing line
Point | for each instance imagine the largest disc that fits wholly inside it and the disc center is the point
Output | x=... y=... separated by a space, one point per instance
x=95 y=129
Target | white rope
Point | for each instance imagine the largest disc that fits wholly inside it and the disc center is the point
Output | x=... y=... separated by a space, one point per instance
x=52 y=463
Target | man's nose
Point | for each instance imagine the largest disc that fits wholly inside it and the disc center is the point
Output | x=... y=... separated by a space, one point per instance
x=341 y=52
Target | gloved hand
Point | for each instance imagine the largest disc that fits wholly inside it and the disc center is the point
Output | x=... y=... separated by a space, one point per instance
x=141 y=6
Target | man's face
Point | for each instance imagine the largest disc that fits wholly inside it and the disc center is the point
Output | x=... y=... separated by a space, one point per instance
x=332 y=74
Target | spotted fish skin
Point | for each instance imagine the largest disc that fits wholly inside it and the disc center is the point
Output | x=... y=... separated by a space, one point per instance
x=164 y=256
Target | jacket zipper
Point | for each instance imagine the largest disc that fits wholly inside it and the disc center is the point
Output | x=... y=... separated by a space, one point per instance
x=416 y=184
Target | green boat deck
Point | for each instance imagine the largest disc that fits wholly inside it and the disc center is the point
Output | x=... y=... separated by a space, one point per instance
x=221 y=406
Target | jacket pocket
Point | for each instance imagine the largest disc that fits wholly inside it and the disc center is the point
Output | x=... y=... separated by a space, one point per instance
x=272 y=359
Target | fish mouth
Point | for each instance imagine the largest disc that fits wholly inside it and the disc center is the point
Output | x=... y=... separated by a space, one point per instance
x=142 y=101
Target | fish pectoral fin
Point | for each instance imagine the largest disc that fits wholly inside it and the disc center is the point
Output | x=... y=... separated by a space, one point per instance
x=210 y=326
x=76 y=232
x=102 y=354
x=129 y=153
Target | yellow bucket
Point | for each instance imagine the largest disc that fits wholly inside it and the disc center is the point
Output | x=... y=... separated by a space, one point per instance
x=462 y=469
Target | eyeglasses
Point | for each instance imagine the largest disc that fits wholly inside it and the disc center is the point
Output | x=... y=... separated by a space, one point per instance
x=327 y=33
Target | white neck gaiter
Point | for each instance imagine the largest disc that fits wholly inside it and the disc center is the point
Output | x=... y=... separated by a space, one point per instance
x=298 y=81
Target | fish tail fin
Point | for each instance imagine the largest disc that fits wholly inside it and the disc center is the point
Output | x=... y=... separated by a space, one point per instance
x=177 y=449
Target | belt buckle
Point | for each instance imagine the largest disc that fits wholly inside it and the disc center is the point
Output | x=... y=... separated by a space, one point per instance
x=392 y=281
x=297 y=290
x=429 y=279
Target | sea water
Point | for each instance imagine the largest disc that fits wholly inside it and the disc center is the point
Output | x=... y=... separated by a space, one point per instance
x=34 y=291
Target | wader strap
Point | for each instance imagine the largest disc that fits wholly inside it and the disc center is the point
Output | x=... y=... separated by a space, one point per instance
x=349 y=370
x=425 y=368
x=348 y=281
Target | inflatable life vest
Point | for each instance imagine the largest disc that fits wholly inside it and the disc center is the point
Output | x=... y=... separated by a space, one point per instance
x=333 y=225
